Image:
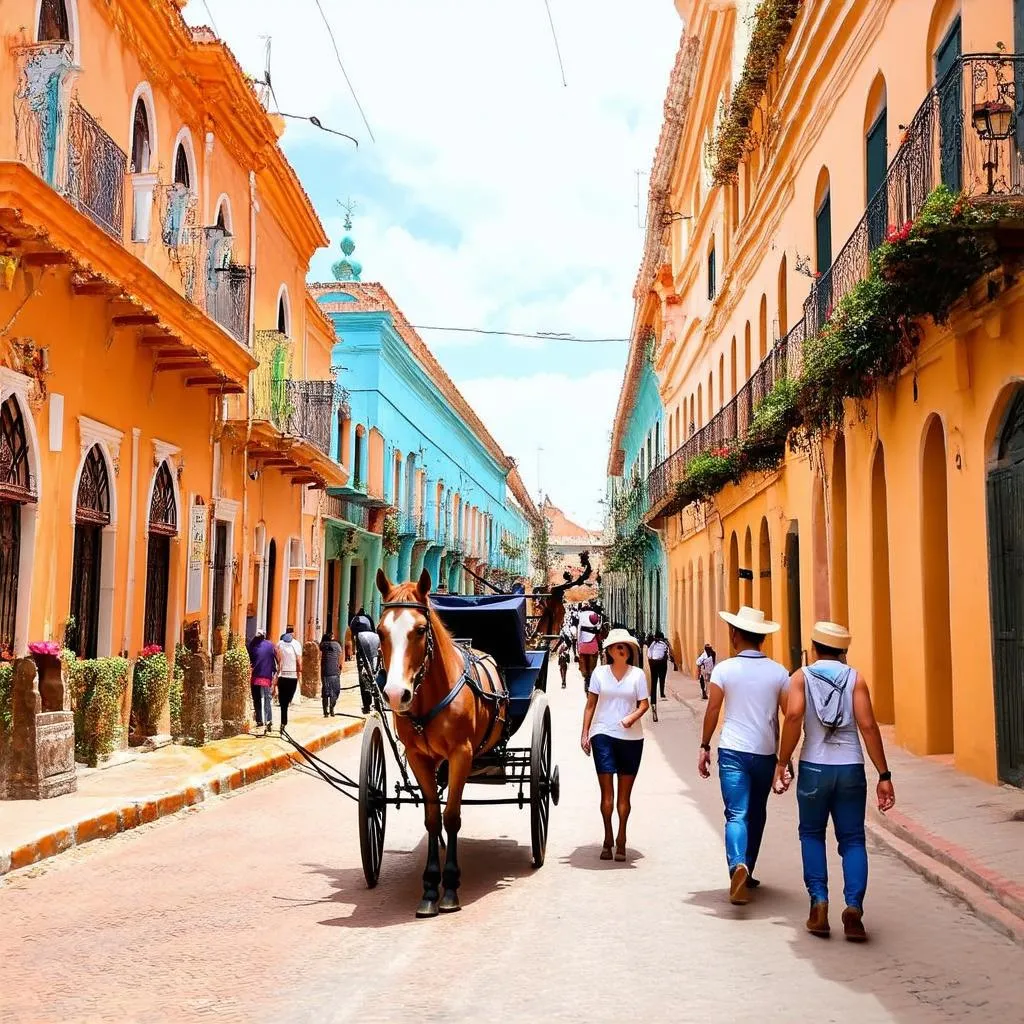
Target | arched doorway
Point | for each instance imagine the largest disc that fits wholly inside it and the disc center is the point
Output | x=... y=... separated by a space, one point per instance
x=163 y=525
x=793 y=610
x=748 y=564
x=881 y=610
x=938 y=655
x=840 y=586
x=698 y=607
x=15 y=491
x=271 y=578
x=1006 y=568
x=53 y=21
x=92 y=516
x=819 y=551
x=734 y=573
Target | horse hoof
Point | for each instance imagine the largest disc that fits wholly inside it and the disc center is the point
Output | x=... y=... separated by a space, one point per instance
x=427 y=908
x=449 y=903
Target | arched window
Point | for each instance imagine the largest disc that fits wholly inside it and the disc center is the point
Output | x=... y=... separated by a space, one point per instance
x=762 y=331
x=92 y=516
x=15 y=490
x=163 y=525
x=732 y=365
x=142 y=147
x=283 y=312
x=747 y=369
x=783 y=299
x=876 y=159
x=53 y=21
x=823 y=247
x=182 y=175
x=14 y=471
x=712 y=283
x=721 y=381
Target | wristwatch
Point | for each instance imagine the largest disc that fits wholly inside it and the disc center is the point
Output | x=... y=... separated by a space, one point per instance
x=706 y=746
x=885 y=776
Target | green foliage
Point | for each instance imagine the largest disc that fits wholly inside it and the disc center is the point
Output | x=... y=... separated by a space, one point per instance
x=6 y=683
x=177 y=687
x=773 y=20
x=97 y=692
x=390 y=541
x=151 y=684
x=236 y=657
x=541 y=552
x=921 y=270
x=511 y=548
x=627 y=553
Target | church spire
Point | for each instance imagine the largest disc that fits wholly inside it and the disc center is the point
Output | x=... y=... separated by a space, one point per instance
x=347 y=269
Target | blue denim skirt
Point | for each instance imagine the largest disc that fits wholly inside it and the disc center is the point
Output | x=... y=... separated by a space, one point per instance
x=615 y=756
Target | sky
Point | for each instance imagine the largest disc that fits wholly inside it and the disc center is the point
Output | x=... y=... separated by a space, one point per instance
x=491 y=195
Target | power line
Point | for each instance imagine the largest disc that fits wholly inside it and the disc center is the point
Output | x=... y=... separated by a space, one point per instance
x=348 y=81
x=209 y=14
x=554 y=36
x=541 y=335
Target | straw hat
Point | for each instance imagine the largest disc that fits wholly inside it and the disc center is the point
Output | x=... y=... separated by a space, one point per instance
x=751 y=620
x=831 y=634
x=621 y=636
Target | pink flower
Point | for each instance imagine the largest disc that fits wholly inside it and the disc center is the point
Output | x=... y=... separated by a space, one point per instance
x=44 y=647
x=148 y=652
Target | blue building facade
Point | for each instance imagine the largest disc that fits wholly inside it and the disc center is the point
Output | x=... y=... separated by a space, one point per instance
x=639 y=598
x=428 y=485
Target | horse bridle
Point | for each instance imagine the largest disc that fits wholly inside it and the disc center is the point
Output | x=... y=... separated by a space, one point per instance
x=421 y=672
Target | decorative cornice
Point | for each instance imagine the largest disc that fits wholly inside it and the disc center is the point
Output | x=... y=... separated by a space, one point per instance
x=164 y=450
x=92 y=432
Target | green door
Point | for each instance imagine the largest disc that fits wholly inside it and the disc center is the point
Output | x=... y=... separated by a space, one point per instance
x=878 y=192
x=823 y=256
x=949 y=81
x=278 y=388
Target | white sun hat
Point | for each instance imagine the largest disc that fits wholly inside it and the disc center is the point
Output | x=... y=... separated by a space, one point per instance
x=831 y=634
x=621 y=636
x=751 y=620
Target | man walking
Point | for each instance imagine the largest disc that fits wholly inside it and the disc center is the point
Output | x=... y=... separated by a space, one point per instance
x=830 y=702
x=289 y=652
x=362 y=623
x=705 y=666
x=264 y=659
x=588 y=644
x=657 y=656
x=753 y=688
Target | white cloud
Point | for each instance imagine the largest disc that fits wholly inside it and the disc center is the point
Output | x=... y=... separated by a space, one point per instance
x=569 y=417
x=493 y=197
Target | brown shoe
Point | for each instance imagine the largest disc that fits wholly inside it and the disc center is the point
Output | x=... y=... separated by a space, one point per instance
x=739 y=894
x=817 y=922
x=853 y=926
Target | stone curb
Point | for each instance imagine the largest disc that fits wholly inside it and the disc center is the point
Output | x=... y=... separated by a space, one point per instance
x=195 y=790
x=998 y=901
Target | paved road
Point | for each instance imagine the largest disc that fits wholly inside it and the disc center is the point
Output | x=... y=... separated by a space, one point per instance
x=253 y=908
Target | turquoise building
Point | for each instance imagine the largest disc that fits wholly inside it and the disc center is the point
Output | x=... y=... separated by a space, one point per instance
x=428 y=486
x=638 y=595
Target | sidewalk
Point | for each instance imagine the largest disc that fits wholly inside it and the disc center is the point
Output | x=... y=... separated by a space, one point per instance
x=964 y=835
x=152 y=785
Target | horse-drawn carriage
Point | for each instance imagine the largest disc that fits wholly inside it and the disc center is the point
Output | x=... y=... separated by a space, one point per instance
x=462 y=681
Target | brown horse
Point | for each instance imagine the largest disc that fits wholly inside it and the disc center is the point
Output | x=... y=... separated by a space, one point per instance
x=450 y=705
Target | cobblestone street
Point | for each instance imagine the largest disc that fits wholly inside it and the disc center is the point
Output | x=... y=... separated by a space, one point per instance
x=254 y=908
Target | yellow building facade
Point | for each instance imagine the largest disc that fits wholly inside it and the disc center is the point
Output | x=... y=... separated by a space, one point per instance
x=906 y=520
x=166 y=389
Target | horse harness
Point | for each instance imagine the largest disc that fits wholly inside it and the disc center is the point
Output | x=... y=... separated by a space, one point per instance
x=496 y=701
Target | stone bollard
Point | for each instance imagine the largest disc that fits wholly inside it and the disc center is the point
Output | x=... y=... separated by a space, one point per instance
x=201 y=698
x=310 y=669
x=42 y=751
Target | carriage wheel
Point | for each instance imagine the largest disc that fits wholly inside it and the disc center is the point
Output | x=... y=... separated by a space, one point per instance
x=540 y=778
x=373 y=804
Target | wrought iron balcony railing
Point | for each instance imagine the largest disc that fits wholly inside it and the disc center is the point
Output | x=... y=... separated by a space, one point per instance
x=348 y=511
x=61 y=141
x=411 y=525
x=309 y=405
x=983 y=157
x=227 y=299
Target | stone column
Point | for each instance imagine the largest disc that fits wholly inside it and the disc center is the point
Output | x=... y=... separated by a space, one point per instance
x=405 y=559
x=346 y=576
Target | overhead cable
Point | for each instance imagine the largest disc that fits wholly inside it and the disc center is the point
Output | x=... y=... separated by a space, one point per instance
x=348 y=81
x=541 y=335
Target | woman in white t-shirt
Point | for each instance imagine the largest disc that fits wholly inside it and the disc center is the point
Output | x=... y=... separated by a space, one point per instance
x=617 y=699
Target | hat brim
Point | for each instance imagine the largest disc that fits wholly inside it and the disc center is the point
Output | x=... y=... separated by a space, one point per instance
x=631 y=641
x=836 y=643
x=764 y=628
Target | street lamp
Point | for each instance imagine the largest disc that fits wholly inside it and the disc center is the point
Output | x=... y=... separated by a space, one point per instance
x=994 y=119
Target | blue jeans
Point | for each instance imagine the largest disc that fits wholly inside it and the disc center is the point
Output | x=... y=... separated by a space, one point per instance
x=839 y=790
x=746 y=784
x=261 y=704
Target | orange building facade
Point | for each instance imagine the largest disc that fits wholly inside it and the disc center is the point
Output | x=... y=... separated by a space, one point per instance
x=166 y=388
x=906 y=521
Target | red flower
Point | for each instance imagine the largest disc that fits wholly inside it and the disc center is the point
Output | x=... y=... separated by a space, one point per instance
x=721 y=453
x=149 y=651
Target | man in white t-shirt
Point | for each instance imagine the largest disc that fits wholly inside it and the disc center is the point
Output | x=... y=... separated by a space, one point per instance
x=753 y=688
x=290 y=661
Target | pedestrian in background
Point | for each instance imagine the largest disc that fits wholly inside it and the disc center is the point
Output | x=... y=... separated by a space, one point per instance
x=753 y=689
x=362 y=623
x=330 y=672
x=564 y=650
x=830 y=701
x=289 y=652
x=616 y=701
x=263 y=658
x=658 y=654
x=588 y=644
x=705 y=666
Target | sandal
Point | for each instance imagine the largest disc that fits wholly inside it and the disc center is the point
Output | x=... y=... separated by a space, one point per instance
x=606 y=853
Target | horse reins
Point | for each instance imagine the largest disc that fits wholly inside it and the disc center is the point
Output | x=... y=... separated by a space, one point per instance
x=420 y=722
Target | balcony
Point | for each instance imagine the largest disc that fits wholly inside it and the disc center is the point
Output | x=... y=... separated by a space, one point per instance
x=982 y=156
x=347 y=512
x=82 y=163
